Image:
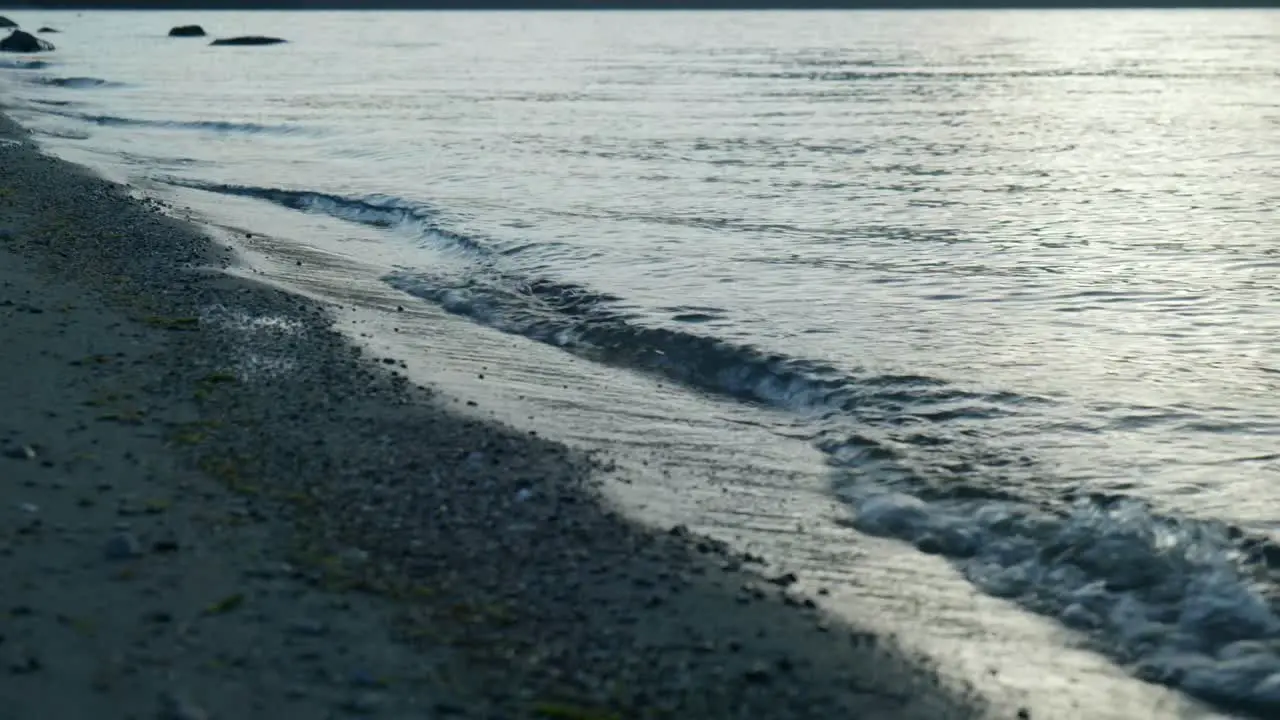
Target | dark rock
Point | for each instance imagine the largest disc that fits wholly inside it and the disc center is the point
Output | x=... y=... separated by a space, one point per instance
x=7 y=23
x=178 y=707
x=24 y=42
x=122 y=547
x=758 y=674
x=187 y=31
x=785 y=580
x=363 y=704
x=47 y=29
x=308 y=627
x=22 y=452
x=23 y=661
x=248 y=40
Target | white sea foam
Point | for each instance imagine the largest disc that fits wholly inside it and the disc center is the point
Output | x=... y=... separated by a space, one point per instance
x=1176 y=600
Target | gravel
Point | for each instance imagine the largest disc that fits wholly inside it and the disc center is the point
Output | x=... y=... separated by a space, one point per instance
x=507 y=577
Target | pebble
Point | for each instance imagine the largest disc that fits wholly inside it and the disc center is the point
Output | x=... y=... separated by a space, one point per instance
x=176 y=707
x=363 y=704
x=353 y=557
x=445 y=707
x=21 y=452
x=308 y=628
x=122 y=546
x=363 y=679
x=758 y=674
x=23 y=661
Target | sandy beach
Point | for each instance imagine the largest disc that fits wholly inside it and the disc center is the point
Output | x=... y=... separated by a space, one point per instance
x=214 y=506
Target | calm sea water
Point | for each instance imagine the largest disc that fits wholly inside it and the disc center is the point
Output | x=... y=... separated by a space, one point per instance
x=1014 y=275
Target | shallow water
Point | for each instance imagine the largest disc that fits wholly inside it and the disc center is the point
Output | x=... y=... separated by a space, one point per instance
x=1003 y=283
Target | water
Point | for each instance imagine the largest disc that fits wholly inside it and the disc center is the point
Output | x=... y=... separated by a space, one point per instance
x=1011 y=275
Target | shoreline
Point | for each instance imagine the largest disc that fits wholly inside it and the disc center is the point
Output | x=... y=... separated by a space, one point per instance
x=490 y=550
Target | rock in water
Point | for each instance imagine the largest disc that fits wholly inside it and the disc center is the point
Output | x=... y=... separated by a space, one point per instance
x=47 y=29
x=24 y=42
x=248 y=40
x=187 y=31
x=7 y=23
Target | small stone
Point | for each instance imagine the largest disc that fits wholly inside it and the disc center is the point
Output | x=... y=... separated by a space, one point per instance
x=363 y=679
x=444 y=707
x=353 y=557
x=363 y=704
x=308 y=628
x=122 y=546
x=1024 y=714
x=23 y=661
x=21 y=452
x=176 y=707
x=758 y=674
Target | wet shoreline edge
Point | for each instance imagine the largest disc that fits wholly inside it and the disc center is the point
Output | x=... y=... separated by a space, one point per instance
x=489 y=542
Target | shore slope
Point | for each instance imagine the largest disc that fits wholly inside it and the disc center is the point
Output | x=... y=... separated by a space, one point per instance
x=214 y=505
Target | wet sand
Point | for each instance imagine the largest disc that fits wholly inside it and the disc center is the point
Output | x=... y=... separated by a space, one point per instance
x=216 y=506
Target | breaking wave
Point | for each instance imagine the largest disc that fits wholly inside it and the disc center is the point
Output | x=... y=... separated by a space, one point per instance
x=380 y=211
